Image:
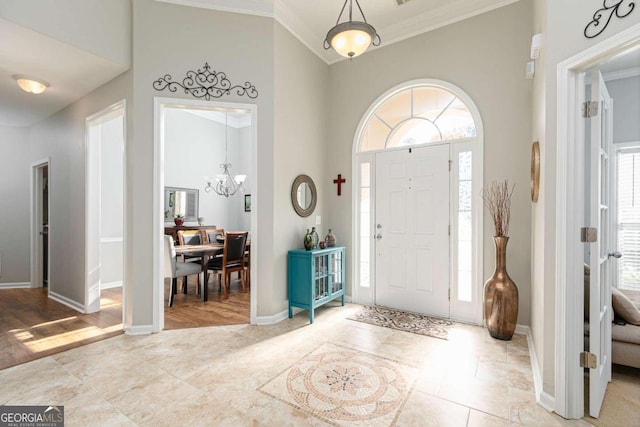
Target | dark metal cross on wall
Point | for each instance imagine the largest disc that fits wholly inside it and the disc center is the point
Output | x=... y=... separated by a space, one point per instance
x=340 y=180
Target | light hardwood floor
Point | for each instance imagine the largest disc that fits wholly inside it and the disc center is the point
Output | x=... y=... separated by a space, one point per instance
x=188 y=311
x=33 y=326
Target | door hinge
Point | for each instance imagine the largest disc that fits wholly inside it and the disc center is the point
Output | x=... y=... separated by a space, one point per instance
x=588 y=234
x=449 y=294
x=450 y=161
x=590 y=109
x=449 y=229
x=588 y=360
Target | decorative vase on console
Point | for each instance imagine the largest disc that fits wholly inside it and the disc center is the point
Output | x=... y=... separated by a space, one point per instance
x=314 y=237
x=500 y=292
x=308 y=241
x=330 y=240
x=179 y=220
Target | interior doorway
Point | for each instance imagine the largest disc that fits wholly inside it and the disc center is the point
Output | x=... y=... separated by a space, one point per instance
x=193 y=141
x=105 y=206
x=573 y=229
x=40 y=230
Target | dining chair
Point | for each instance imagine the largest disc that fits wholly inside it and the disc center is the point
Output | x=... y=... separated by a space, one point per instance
x=211 y=235
x=174 y=268
x=191 y=237
x=232 y=259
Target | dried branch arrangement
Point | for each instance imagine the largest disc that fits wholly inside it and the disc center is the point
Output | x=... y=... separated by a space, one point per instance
x=497 y=199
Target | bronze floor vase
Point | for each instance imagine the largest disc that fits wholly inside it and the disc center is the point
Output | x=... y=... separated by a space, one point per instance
x=501 y=296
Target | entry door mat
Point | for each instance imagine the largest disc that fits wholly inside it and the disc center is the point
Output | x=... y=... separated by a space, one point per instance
x=345 y=387
x=404 y=321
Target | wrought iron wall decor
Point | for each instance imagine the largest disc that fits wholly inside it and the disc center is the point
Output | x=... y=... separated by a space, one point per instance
x=205 y=83
x=603 y=16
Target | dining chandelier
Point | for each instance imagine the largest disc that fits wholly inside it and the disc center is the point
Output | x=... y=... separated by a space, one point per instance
x=351 y=38
x=225 y=184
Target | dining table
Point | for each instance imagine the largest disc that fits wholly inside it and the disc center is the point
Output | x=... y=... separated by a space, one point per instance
x=206 y=251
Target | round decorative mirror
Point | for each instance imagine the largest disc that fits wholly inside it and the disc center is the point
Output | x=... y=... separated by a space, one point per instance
x=303 y=195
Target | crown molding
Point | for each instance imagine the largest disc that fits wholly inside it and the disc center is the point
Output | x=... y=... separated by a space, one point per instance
x=449 y=13
x=247 y=7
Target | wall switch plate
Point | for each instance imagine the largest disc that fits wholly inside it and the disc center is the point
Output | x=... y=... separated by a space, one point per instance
x=318 y=220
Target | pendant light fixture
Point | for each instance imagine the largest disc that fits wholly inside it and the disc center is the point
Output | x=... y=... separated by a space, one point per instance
x=351 y=38
x=226 y=185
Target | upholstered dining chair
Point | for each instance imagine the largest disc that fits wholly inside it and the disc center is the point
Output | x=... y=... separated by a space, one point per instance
x=191 y=237
x=174 y=268
x=232 y=259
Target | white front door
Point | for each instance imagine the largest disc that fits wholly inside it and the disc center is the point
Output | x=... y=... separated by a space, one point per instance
x=600 y=313
x=412 y=229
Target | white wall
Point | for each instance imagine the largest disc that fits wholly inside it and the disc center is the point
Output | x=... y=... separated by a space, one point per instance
x=485 y=56
x=15 y=211
x=626 y=108
x=194 y=148
x=112 y=202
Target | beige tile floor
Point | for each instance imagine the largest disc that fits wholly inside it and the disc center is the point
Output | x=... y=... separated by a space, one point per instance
x=212 y=376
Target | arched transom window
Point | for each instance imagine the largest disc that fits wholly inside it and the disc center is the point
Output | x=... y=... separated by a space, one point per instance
x=417 y=115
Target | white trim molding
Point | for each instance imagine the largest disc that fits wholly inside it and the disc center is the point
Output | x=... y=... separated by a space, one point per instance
x=67 y=301
x=569 y=378
x=543 y=399
x=157 y=221
x=111 y=285
x=138 y=330
x=16 y=285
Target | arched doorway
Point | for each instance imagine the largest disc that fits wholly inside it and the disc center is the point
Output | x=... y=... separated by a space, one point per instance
x=418 y=171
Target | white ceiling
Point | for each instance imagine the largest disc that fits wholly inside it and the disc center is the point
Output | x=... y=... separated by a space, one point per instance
x=71 y=73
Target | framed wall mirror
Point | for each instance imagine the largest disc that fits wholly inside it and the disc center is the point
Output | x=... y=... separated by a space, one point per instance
x=181 y=201
x=303 y=195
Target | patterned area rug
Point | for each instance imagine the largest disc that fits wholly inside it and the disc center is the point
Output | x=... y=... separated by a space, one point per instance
x=404 y=321
x=343 y=386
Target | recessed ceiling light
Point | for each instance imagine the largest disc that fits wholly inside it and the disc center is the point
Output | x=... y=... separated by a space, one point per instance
x=31 y=85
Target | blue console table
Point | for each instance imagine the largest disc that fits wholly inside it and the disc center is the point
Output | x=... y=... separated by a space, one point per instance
x=315 y=277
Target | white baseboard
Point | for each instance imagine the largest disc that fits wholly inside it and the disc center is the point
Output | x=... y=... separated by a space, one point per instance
x=111 y=285
x=278 y=317
x=543 y=399
x=17 y=285
x=67 y=301
x=138 y=329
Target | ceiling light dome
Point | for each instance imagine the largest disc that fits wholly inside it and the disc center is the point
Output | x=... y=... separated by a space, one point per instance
x=351 y=38
x=31 y=85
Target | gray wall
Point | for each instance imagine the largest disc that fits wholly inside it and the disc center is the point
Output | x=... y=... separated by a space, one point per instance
x=301 y=147
x=62 y=137
x=626 y=108
x=170 y=39
x=15 y=211
x=485 y=56
x=564 y=23
x=102 y=28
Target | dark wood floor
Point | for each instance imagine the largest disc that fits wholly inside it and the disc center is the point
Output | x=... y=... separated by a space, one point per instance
x=33 y=326
x=188 y=311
